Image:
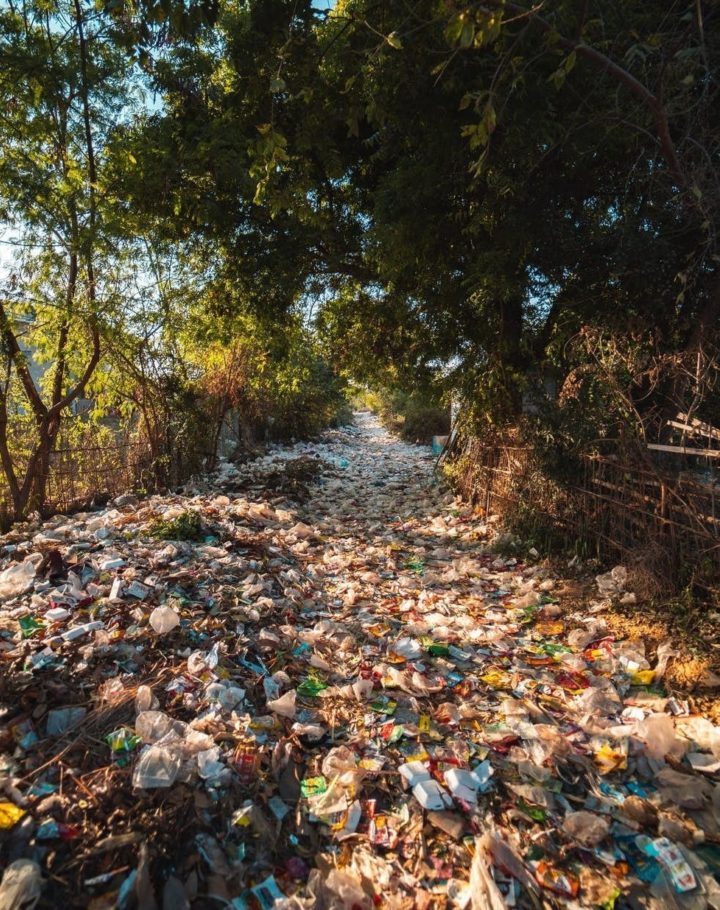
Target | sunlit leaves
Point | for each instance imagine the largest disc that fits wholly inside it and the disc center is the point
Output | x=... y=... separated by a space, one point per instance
x=474 y=27
x=268 y=153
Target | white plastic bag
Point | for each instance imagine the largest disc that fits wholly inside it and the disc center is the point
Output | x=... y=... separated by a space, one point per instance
x=19 y=576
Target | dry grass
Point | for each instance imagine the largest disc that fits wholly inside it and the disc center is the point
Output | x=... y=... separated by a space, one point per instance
x=693 y=629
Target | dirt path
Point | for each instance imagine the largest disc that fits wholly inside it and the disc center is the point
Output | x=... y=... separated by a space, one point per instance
x=350 y=703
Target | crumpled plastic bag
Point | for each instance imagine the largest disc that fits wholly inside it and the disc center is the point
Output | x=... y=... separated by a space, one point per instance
x=664 y=652
x=157 y=767
x=338 y=890
x=485 y=894
x=586 y=828
x=164 y=619
x=703 y=732
x=612 y=582
x=689 y=791
x=21 y=885
x=285 y=705
x=18 y=577
x=658 y=733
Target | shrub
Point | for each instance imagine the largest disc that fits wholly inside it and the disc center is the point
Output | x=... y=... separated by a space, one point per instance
x=416 y=416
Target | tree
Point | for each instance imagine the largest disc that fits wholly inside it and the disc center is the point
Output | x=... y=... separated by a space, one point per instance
x=475 y=183
x=60 y=89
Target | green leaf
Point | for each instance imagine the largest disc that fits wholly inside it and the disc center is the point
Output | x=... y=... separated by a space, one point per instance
x=552 y=37
x=454 y=29
x=557 y=78
x=467 y=34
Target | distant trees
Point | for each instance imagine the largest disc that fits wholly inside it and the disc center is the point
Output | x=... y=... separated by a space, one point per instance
x=96 y=293
x=460 y=186
x=483 y=195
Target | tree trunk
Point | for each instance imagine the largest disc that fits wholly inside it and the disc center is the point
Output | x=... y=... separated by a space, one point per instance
x=32 y=494
x=6 y=458
x=37 y=489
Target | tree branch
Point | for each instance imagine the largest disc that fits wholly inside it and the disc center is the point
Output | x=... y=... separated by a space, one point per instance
x=21 y=366
x=641 y=92
x=68 y=399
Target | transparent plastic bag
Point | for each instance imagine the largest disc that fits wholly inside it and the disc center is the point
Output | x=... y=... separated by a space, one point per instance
x=157 y=766
x=17 y=578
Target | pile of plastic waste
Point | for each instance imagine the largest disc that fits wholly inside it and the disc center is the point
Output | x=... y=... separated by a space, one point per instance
x=328 y=692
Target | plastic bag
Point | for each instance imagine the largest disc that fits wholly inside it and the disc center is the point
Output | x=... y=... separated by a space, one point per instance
x=339 y=891
x=285 y=705
x=21 y=885
x=145 y=700
x=612 y=582
x=153 y=725
x=658 y=733
x=164 y=619
x=18 y=577
x=485 y=894
x=156 y=767
x=60 y=720
x=586 y=828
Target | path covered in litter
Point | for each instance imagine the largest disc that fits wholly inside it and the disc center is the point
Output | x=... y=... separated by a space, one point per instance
x=309 y=683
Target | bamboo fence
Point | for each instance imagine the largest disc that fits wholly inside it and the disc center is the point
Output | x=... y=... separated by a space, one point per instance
x=624 y=510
